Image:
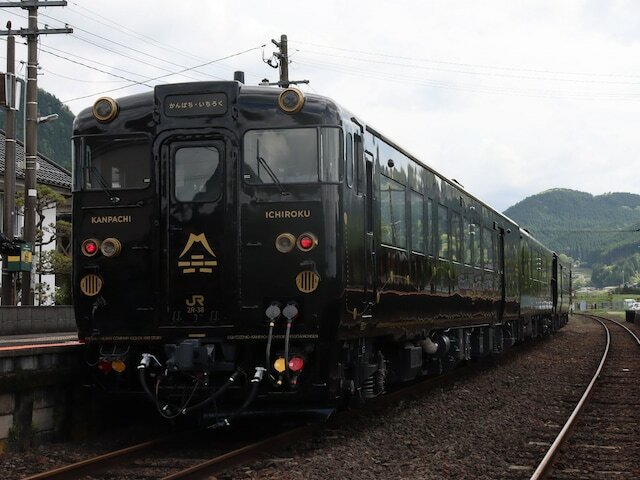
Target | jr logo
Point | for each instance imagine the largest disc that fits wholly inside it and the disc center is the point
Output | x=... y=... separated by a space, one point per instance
x=195 y=300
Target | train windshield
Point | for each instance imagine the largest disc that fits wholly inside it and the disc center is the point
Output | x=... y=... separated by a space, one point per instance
x=300 y=155
x=115 y=163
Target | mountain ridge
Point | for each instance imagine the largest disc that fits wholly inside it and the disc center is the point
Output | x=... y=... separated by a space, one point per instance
x=601 y=231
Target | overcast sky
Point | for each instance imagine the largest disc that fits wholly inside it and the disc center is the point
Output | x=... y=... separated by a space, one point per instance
x=511 y=98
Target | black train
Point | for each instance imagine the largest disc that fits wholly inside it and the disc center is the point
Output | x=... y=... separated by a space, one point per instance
x=252 y=248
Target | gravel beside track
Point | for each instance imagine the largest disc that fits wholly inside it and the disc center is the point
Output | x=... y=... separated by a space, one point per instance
x=605 y=438
x=496 y=421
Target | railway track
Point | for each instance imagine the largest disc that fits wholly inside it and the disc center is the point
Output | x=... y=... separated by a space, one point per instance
x=188 y=455
x=200 y=454
x=600 y=438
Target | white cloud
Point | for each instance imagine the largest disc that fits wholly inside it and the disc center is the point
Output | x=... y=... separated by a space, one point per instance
x=518 y=97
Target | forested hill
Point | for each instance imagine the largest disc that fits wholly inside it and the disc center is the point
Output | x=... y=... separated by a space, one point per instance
x=601 y=231
x=54 y=137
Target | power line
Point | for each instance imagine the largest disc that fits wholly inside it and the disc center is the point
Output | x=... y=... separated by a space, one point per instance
x=472 y=72
x=473 y=65
x=118 y=26
x=79 y=80
x=469 y=87
x=127 y=47
x=167 y=75
x=98 y=69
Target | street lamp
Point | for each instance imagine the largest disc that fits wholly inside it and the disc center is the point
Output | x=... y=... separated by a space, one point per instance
x=40 y=120
x=48 y=118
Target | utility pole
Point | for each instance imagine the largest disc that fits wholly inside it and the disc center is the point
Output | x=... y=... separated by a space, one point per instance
x=282 y=56
x=283 y=59
x=31 y=133
x=9 y=211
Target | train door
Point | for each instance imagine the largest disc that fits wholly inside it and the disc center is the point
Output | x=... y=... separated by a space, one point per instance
x=554 y=282
x=370 y=241
x=501 y=274
x=194 y=212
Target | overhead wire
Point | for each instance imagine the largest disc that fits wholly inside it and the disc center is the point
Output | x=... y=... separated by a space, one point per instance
x=473 y=65
x=461 y=86
x=472 y=72
x=109 y=23
x=167 y=75
x=127 y=47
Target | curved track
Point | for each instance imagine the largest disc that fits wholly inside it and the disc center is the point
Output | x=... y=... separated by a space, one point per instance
x=600 y=438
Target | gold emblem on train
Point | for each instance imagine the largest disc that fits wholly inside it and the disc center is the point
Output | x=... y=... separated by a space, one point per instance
x=201 y=258
x=91 y=285
x=307 y=281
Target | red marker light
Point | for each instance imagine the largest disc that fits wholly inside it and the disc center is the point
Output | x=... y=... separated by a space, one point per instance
x=105 y=365
x=296 y=364
x=306 y=242
x=90 y=247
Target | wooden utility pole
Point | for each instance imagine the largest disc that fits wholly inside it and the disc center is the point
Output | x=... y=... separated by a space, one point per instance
x=9 y=211
x=283 y=60
x=282 y=55
x=31 y=125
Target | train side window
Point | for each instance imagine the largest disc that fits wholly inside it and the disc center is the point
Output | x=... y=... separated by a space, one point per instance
x=443 y=231
x=468 y=230
x=430 y=226
x=349 y=160
x=392 y=213
x=359 y=161
x=477 y=244
x=417 y=222
x=488 y=248
x=456 y=237
x=197 y=174
x=330 y=155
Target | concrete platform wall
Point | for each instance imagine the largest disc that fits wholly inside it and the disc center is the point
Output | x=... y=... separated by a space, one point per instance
x=40 y=391
x=26 y=320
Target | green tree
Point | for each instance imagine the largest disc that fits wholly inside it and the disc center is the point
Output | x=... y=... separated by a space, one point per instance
x=51 y=262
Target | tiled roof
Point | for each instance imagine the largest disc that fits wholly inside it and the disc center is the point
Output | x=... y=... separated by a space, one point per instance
x=49 y=173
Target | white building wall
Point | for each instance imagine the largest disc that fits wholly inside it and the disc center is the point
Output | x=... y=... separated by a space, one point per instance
x=47 y=281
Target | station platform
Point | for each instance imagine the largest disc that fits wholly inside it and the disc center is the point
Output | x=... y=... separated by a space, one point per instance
x=38 y=340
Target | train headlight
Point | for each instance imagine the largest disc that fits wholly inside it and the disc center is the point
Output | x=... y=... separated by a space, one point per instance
x=307 y=241
x=291 y=100
x=105 y=109
x=90 y=247
x=285 y=242
x=110 y=247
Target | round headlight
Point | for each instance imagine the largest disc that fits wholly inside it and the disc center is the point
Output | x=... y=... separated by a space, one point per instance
x=105 y=109
x=291 y=100
x=111 y=247
x=285 y=242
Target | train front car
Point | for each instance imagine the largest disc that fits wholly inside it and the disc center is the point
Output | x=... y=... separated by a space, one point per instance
x=206 y=271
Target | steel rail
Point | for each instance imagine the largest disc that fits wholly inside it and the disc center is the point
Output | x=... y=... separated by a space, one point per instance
x=229 y=459
x=73 y=470
x=205 y=469
x=279 y=441
x=626 y=328
x=545 y=465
